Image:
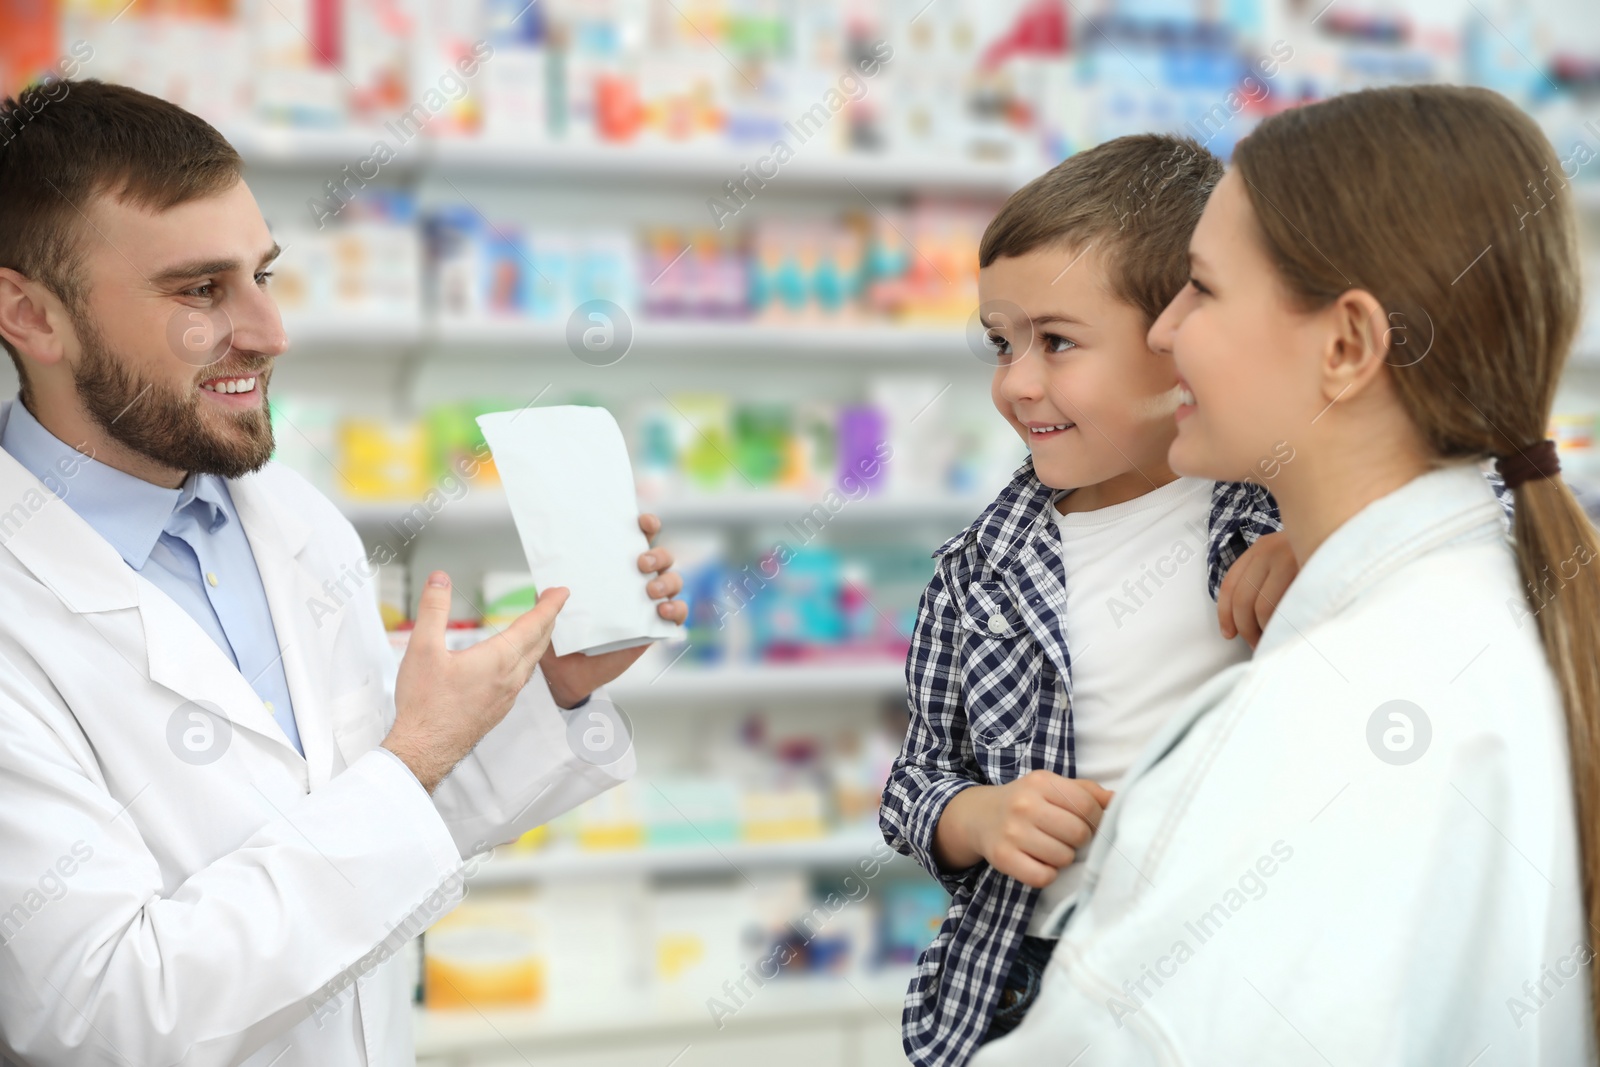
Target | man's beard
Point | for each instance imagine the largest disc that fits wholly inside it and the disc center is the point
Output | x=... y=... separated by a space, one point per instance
x=163 y=425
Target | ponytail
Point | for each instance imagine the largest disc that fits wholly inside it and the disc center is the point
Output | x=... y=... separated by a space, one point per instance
x=1557 y=550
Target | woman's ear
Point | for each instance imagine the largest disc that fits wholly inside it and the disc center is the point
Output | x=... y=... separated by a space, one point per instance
x=1357 y=343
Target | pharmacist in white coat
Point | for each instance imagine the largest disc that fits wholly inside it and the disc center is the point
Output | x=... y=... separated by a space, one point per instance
x=222 y=811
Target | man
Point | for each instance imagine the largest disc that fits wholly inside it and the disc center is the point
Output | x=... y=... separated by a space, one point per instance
x=221 y=811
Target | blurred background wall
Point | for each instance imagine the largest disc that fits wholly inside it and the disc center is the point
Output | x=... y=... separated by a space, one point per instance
x=749 y=229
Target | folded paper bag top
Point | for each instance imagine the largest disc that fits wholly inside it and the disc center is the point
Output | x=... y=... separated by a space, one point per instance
x=570 y=487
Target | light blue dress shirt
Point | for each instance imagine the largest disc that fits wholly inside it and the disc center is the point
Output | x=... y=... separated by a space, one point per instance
x=187 y=541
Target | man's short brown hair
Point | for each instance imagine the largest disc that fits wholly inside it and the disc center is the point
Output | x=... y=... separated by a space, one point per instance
x=1136 y=198
x=62 y=143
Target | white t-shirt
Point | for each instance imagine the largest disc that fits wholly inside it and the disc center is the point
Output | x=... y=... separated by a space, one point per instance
x=1142 y=631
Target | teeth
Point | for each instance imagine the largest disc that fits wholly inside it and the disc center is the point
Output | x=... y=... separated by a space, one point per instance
x=231 y=385
x=1048 y=429
x=1162 y=405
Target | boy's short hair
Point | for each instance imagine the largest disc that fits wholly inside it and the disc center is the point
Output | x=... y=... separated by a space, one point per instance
x=63 y=143
x=1137 y=198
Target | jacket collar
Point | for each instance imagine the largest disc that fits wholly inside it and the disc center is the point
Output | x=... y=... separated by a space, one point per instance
x=1008 y=523
x=89 y=576
x=1450 y=503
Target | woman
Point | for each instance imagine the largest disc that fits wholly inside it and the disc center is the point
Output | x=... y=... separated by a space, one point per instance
x=1375 y=843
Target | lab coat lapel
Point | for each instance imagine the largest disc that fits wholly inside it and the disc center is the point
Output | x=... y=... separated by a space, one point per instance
x=185 y=659
x=277 y=538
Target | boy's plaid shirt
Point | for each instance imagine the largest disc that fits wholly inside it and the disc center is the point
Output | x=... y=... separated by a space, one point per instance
x=985 y=709
x=981 y=687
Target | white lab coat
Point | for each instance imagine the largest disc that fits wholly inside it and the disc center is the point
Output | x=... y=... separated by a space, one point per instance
x=1265 y=889
x=155 y=910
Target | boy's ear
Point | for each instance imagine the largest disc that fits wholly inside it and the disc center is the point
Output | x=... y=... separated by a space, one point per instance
x=1358 y=341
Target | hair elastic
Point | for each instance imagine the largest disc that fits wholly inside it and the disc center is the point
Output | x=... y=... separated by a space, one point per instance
x=1537 y=460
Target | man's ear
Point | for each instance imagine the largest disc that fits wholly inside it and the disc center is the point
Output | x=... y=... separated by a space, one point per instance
x=33 y=319
x=1357 y=344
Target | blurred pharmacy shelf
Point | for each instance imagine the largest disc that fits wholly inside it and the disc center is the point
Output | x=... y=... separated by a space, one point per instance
x=717 y=164
x=662 y=675
x=840 y=850
x=292 y=148
x=834 y=1020
x=747 y=339
x=760 y=680
x=487 y=508
x=334 y=333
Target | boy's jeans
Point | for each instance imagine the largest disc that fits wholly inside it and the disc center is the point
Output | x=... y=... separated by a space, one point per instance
x=1022 y=986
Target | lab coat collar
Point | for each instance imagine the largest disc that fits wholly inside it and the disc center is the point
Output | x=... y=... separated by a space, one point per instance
x=57 y=545
x=126 y=510
x=1448 y=503
x=89 y=576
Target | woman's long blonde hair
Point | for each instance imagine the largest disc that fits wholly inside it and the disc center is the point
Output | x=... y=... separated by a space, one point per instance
x=1449 y=206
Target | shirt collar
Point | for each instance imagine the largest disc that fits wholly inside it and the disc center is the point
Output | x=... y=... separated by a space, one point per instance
x=129 y=512
x=1020 y=510
x=205 y=497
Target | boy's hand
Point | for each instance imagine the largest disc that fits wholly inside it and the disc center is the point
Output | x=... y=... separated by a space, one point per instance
x=1253 y=586
x=1029 y=828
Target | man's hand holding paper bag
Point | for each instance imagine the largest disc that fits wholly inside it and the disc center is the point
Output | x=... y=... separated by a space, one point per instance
x=570 y=486
x=577 y=674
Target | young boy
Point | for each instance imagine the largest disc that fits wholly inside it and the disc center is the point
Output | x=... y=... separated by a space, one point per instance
x=1095 y=545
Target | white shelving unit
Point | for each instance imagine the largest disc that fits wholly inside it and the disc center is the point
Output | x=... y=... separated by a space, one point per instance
x=526 y=338
x=847 y=1020
x=486 y=508
x=839 y=850
x=265 y=146
x=746 y=682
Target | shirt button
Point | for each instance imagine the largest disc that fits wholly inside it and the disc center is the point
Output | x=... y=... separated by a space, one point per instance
x=997 y=624
x=212 y=578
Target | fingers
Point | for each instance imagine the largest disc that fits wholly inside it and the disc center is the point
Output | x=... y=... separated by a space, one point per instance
x=669 y=584
x=530 y=633
x=1047 y=848
x=1073 y=823
x=1252 y=568
x=1080 y=796
x=1101 y=794
x=1225 y=594
x=433 y=612
x=1024 y=868
x=1273 y=586
x=650 y=524
x=657 y=560
x=1244 y=617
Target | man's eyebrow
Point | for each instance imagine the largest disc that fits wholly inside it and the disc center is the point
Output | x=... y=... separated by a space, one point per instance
x=200 y=267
